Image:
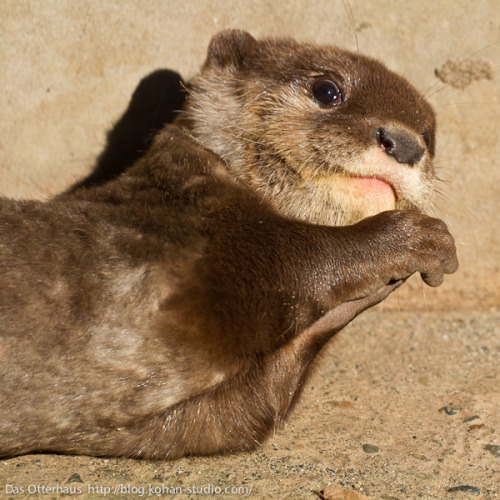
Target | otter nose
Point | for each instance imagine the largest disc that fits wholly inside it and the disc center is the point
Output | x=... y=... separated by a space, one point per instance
x=403 y=146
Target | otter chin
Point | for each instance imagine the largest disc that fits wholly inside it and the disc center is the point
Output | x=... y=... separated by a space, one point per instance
x=369 y=195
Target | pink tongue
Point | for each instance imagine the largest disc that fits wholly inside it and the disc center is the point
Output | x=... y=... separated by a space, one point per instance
x=377 y=187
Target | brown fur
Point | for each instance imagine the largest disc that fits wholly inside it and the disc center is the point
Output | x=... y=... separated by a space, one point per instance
x=256 y=111
x=177 y=309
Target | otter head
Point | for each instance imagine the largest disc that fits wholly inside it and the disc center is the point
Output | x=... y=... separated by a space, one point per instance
x=325 y=135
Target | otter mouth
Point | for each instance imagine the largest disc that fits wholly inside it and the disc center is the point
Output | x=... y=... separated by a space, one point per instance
x=374 y=186
x=368 y=195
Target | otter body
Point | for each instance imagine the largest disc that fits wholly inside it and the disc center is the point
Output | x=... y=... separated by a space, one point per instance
x=177 y=309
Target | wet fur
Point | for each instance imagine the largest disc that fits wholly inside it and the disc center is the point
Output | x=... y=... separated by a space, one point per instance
x=177 y=309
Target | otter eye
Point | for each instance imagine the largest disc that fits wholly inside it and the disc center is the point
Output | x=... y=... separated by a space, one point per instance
x=327 y=92
x=426 y=136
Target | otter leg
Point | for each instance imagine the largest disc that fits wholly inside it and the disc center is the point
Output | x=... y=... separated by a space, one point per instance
x=239 y=414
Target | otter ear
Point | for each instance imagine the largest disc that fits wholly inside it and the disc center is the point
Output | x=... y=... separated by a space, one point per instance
x=229 y=48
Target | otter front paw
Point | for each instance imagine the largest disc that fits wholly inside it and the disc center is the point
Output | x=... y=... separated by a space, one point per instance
x=410 y=242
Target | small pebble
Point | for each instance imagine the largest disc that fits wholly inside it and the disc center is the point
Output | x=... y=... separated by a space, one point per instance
x=476 y=427
x=333 y=492
x=494 y=449
x=449 y=409
x=465 y=488
x=370 y=448
x=75 y=478
x=470 y=419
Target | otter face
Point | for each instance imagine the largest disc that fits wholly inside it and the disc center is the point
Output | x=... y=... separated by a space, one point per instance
x=325 y=135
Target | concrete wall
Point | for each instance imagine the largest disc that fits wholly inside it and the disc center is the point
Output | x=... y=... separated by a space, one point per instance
x=69 y=68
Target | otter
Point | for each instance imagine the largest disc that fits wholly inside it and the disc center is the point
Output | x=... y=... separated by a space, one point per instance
x=177 y=309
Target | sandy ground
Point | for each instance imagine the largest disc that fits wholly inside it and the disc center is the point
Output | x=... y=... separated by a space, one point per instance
x=402 y=405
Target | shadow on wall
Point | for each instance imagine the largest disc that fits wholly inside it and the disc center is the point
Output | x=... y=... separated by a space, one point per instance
x=155 y=102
